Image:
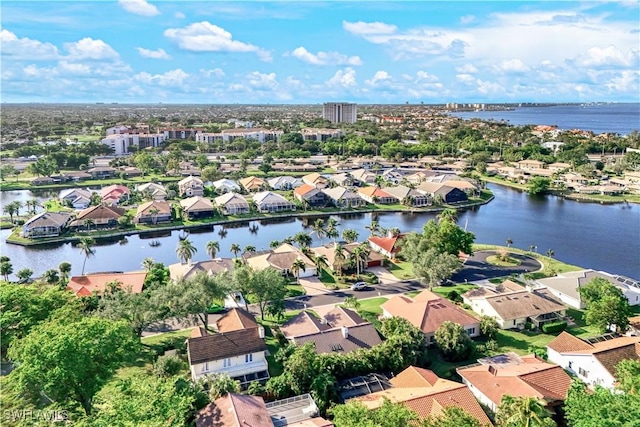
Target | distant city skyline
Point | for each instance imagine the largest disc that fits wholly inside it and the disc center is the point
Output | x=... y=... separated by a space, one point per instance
x=288 y=52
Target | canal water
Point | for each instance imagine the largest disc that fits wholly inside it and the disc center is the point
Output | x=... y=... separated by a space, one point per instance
x=602 y=237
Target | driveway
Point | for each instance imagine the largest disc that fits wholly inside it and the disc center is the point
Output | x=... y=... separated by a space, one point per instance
x=383 y=275
x=313 y=286
x=476 y=267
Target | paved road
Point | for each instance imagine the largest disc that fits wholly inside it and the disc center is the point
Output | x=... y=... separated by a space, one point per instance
x=477 y=268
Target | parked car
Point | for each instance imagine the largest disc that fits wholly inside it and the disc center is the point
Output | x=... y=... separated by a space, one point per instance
x=359 y=286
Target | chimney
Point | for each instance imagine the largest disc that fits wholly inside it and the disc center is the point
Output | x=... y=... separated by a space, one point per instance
x=261 y=332
x=345 y=332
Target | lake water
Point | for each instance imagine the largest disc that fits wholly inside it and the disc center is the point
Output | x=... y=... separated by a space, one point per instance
x=602 y=237
x=622 y=118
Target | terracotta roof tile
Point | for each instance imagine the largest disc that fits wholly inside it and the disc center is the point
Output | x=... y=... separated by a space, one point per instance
x=235 y=320
x=235 y=410
x=303 y=324
x=89 y=283
x=567 y=342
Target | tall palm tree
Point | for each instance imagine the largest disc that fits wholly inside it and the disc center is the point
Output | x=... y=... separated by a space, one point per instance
x=64 y=268
x=235 y=248
x=550 y=253
x=339 y=257
x=321 y=262
x=213 y=247
x=297 y=266
x=148 y=263
x=185 y=251
x=359 y=256
x=523 y=412
x=88 y=223
x=318 y=228
x=303 y=239
x=6 y=269
x=32 y=204
x=9 y=209
x=373 y=228
x=350 y=235
x=250 y=249
x=86 y=247
x=448 y=214
x=332 y=233
x=274 y=244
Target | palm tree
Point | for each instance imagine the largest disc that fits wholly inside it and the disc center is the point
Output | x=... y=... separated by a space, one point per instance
x=379 y=181
x=51 y=276
x=303 y=239
x=274 y=244
x=9 y=209
x=297 y=266
x=154 y=215
x=235 y=248
x=185 y=251
x=148 y=263
x=64 y=268
x=509 y=242
x=318 y=228
x=32 y=204
x=339 y=257
x=321 y=262
x=373 y=228
x=250 y=249
x=359 y=256
x=448 y=214
x=88 y=223
x=523 y=412
x=6 y=269
x=18 y=205
x=86 y=247
x=213 y=247
x=332 y=233
x=550 y=253
x=350 y=235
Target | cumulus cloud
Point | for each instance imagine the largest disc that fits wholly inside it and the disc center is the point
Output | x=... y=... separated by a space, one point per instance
x=207 y=37
x=378 y=77
x=467 y=69
x=467 y=19
x=169 y=79
x=153 y=54
x=88 y=48
x=262 y=81
x=609 y=56
x=139 y=7
x=25 y=48
x=179 y=15
x=511 y=66
x=363 y=28
x=216 y=72
x=466 y=79
x=343 y=78
x=325 y=58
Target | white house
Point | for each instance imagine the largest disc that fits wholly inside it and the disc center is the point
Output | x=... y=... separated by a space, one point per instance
x=191 y=186
x=155 y=190
x=269 y=202
x=594 y=361
x=225 y=186
x=284 y=182
x=80 y=198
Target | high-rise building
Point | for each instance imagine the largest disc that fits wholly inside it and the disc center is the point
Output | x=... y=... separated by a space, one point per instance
x=339 y=112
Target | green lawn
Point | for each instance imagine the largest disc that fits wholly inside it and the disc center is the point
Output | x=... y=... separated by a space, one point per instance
x=370 y=309
x=443 y=291
x=403 y=270
x=497 y=260
x=163 y=337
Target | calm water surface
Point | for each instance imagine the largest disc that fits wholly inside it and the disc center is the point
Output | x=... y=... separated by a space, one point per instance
x=603 y=237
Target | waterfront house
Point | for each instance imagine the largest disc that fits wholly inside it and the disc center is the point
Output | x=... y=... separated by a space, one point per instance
x=377 y=196
x=364 y=176
x=239 y=350
x=281 y=259
x=343 y=179
x=284 y=183
x=518 y=376
x=418 y=177
x=427 y=311
x=409 y=196
x=232 y=204
x=315 y=180
x=253 y=184
x=462 y=185
x=79 y=198
x=152 y=190
x=190 y=186
x=114 y=194
x=42 y=180
x=374 y=259
x=388 y=246
x=443 y=192
x=559 y=167
x=530 y=164
x=153 y=212
x=393 y=176
x=594 y=360
x=98 y=217
x=102 y=172
x=197 y=207
x=342 y=198
x=426 y=394
x=87 y=285
x=268 y=202
x=306 y=323
x=225 y=185
x=311 y=195
x=211 y=266
x=45 y=224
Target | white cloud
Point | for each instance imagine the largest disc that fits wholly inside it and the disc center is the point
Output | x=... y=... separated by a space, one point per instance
x=88 y=48
x=467 y=69
x=343 y=78
x=511 y=66
x=466 y=79
x=423 y=76
x=153 y=54
x=609 y=56
x=378 y=77
x=206 y=37
x=262 y=81
x=179 y=15
x=626 y=82
x=171 y=78
x=325 y=58
x=467 y=19
x=215 y=72
x=25 y=48
x=66 y=67
x=139 y=7
x=363 y=28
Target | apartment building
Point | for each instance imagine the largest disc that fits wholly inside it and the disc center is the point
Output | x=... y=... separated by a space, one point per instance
x=339 y=112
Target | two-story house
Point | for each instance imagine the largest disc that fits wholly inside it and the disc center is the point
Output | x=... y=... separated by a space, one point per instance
x=191 y=186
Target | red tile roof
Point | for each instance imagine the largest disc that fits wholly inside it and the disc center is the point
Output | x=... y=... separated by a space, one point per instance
x=387 y=243
x=235 y=410
x=235 y=320
x=304 y=189
x=90 y=283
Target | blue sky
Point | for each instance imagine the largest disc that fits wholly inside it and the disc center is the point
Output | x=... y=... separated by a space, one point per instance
x=138 y=51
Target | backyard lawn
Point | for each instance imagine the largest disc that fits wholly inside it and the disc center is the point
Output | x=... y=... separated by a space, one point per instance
x=401 y=269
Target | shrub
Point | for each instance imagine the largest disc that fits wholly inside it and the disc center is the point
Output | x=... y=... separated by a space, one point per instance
x=491 y=345
x=553 y=327
x=454 y=296
x=168 y=366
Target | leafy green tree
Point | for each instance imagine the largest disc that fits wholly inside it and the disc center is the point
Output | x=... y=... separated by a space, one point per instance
x=601 y=407
x=185 y=251
x=538 y=185
x=51 y=276
x=25 y=275
x=628 y=375
x=606 y=305
x=6 y=268
x=432 y=267
x=71 y=361
x=350 y=235
x=86 y=247
x=219 y=385
x=452 y=417
x=266 y=286
x=355 y=414
x=213 y=247
x=523 y=412
x=489 y=327
x=168 y=365
x=138 y=310
x=6 y=170
x=453 y=341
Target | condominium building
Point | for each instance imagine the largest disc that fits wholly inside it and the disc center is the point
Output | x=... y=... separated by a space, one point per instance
x=120 y=142
x=339 y=112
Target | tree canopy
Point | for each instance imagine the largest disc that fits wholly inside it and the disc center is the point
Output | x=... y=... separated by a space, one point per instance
x=601 y=407
x=606 y=305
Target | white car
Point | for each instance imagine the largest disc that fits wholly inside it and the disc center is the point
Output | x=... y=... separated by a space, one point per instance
x=359 y=286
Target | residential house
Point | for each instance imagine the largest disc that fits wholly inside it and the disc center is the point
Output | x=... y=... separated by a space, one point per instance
x=102 y=172
x=306 y=323
x=374 y=259
x=79 y=198
x=225 y=185
x=87 y=285
x=442 y=192
x=393 y=176
x=235 y=410
x=377 y=196
x=530 y=164
x=153 y=190
x=343 y=179
x=340 y=197
x=518 y=376
x=98 y=217
x=512 y=306
x=388 y=246
x=426 y=394
x=239 y=353
x=315 y=180
x=212 y=266
x=418 y=177
x=114 y=194
x=253 y=184
x=197 y=207
x=311 y=195
x=409 y=196
x=129 y=171
x=574 y=180
x=232 y=204
x=190 y=186
x=78 y=176
x=594 y=360
x=364 y=176
x=462 y=185
x=268 y=202
x=296 y=411
x=42 y=180
x=559 y=167
x=427 y=311
x=565 y=286
x=284 y=183
x=153 y=212
x=45 y=224
x=281 y=259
